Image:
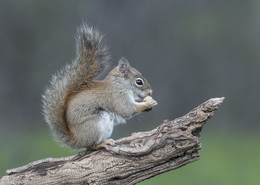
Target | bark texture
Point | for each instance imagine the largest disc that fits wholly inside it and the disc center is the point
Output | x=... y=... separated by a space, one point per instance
x=132 y=159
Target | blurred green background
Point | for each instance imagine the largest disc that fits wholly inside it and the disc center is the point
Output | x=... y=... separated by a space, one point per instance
x=188 y=50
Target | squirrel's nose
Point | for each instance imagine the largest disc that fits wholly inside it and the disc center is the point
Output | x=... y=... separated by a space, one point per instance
x=149 y=92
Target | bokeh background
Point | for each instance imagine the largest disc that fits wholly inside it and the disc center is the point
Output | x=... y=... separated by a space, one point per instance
x=188 y=50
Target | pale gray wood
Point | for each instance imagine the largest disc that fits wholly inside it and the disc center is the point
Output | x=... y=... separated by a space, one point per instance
x=132 y=159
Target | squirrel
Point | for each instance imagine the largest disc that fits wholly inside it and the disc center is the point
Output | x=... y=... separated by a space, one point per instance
x=82 y=111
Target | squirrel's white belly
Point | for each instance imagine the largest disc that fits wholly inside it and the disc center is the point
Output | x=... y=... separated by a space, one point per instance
x=109 y=120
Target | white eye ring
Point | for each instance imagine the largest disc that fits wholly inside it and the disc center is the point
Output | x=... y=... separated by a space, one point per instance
x=139 y=82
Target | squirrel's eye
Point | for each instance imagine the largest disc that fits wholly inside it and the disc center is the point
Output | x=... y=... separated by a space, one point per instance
x=139 y=82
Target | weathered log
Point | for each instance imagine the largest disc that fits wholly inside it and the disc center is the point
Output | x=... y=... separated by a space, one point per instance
x=132 y=159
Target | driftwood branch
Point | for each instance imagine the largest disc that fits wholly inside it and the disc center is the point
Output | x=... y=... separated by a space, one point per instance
x=131 y=160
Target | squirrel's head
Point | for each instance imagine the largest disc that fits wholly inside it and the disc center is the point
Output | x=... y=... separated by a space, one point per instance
x=134 y=79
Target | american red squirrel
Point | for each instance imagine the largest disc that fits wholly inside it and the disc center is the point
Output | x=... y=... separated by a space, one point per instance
x=82 y=111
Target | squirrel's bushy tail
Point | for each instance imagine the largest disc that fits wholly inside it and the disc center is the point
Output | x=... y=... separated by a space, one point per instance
x=91 y=60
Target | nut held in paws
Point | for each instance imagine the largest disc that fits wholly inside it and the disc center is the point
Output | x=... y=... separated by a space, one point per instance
x=148 y=98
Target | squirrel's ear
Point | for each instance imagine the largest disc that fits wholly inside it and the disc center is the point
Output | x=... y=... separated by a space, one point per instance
x=124 y=66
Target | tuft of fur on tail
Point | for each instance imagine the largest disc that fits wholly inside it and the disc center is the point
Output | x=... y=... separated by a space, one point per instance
x=92 y=59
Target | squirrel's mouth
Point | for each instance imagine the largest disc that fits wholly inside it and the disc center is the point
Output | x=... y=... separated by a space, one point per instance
x=140 y=98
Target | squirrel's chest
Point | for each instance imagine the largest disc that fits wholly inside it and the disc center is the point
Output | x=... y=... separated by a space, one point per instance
x=107 y=123
x=116 y=118
x=112 y=118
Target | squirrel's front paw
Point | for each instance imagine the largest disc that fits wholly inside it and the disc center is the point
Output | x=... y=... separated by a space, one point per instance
x=150 y=104
x=147 y=104
x=149 y=100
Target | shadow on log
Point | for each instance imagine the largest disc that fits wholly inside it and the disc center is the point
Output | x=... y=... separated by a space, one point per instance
x=132 y=159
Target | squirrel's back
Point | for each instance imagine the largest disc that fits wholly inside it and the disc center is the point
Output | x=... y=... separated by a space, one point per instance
x=91 y=60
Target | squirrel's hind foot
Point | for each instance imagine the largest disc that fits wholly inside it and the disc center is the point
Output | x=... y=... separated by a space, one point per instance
x=106 y=142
